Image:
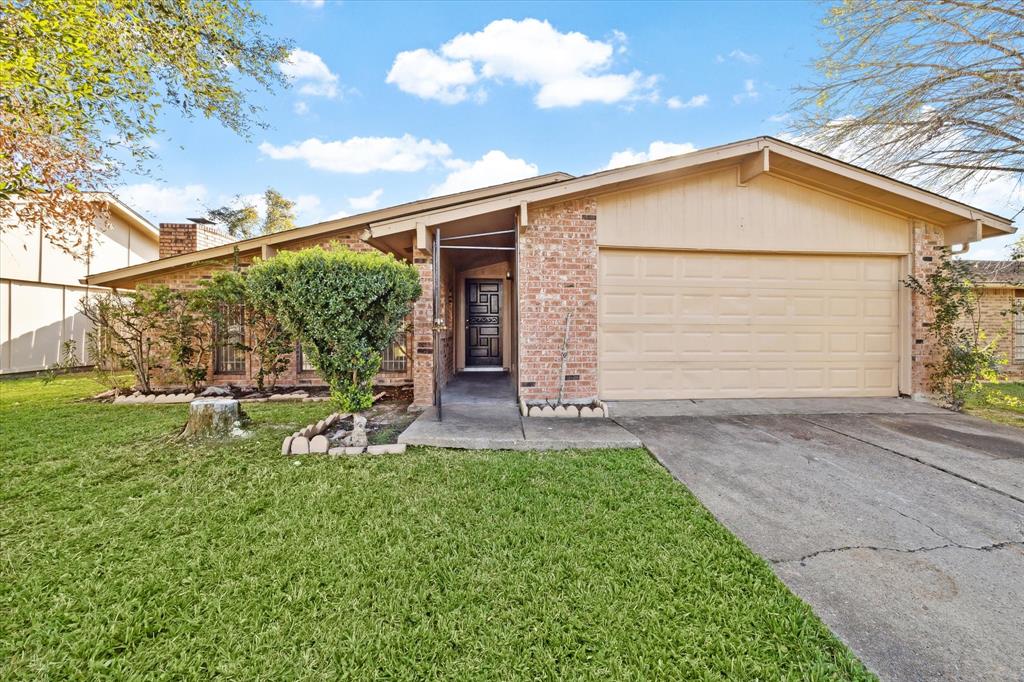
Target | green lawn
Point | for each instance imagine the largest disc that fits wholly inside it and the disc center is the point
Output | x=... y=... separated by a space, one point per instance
x=124 y=554
x=1002 y=403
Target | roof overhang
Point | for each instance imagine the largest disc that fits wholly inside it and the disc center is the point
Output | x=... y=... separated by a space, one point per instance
x=126 y=277
x=961 y=223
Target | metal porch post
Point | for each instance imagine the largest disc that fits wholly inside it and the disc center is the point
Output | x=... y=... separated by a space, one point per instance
x=437 y=321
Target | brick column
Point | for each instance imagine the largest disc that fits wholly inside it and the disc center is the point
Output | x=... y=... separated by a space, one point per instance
x=558 y=275
x=422 y=334
x=925 y=353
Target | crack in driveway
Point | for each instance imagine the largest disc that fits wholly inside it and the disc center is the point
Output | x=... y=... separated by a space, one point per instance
x=915 y=459
x=900 y=550
x=936 y=591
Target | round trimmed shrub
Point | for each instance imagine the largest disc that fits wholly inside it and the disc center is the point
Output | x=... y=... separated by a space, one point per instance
x=344 y=306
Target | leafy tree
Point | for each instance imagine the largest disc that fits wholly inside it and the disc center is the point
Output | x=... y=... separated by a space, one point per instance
x=244 y=221
x=181 y=325
x=931 y=90
x=120 y=330
x=344 y=306
x=82 y=83
x=240 y=223
x=967 y=356
x=280 y=212
x=266 y=339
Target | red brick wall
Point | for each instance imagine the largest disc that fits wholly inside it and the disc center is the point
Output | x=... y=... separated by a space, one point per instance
x=422 y=350
x=178 y=238
x=558 y=275
x=993 y=305
x=927 y=247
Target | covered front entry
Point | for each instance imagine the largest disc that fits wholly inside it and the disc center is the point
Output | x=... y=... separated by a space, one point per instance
x=690 y=324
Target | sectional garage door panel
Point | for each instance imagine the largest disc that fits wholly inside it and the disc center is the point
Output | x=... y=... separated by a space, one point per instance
x=708 y=325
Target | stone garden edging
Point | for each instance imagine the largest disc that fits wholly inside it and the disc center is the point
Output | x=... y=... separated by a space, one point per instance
x=598 y=409
x=310 y=440
x=138 y=398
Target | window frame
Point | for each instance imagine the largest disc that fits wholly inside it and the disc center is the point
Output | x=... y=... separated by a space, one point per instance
x=300 y=360
x=399 y=365
x=236 y=364
x=1017 y=341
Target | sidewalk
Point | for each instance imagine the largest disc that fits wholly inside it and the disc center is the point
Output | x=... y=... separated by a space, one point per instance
x=500 y=427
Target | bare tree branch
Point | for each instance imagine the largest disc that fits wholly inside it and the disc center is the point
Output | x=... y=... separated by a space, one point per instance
x=930 y=90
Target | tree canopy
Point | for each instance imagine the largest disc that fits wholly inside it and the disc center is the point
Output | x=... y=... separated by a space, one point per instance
x=242 y=220
x=83 y=83
x=929 y=90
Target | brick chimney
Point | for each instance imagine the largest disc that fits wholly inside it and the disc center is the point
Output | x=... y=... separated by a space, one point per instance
x=178 y=238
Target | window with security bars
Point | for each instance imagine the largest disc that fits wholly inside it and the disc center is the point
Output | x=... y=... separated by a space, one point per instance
x=305 y=364
x=395 y=355
x=228 y=355
x=1018 y=326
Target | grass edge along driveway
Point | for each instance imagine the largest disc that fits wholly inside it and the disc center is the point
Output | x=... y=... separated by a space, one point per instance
x=127 y=554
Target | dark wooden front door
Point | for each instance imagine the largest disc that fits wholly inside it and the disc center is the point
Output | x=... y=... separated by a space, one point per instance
x=483 y=323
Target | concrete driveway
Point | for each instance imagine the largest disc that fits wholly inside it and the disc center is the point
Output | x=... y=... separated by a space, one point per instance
x=902 y=525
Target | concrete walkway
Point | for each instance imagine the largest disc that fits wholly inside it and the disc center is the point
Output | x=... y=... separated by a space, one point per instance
x=480 y=413
x=500 y=427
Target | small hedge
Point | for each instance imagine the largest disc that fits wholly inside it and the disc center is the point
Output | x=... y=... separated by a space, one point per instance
x=344 y=306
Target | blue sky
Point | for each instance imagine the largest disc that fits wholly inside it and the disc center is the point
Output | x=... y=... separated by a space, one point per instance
x=394 y=102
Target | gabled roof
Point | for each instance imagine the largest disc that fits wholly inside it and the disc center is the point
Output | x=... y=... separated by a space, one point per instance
x=997 y=271
x=760 y=154
x=753 y=156
x=131 y=216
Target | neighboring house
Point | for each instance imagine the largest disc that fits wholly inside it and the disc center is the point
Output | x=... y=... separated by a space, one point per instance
x=753 y=269
x=1001 y=306
x=41 y=285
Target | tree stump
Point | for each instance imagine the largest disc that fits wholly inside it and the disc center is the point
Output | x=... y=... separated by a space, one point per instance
x=211 y=417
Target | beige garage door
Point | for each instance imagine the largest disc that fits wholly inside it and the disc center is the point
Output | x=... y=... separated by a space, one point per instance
x=708 y=325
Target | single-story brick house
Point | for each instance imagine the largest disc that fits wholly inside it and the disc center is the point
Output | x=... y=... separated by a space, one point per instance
x=754 y=269
x=1001 y=307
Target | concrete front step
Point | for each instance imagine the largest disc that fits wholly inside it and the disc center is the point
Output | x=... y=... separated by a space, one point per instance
x=500 y=427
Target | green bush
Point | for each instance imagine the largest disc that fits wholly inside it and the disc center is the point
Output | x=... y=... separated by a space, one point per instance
x=968 y=357
x=181 y=326
x=344 y=306
x=265 y=338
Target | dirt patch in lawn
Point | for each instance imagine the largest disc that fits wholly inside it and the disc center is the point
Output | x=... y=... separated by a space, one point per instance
x=386 y=420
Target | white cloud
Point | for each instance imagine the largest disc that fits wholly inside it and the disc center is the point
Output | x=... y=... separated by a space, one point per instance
x=300 y=108
x=608 y=89
x=368 y=202
x=312 y=4
x=424 y=74
x=693 y=103
x=780 y=118
x=567 y=68
x=749 y=92
x=164 y=203
x=338 y=215
x=656 y=150
x=739 y=55
x=306 y=205
x=362 y=154
x=621 y=40
x=493 y=168
x=311 y=74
